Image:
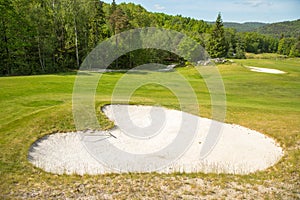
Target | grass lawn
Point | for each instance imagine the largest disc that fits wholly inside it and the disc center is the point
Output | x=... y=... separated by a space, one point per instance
x=34 y=106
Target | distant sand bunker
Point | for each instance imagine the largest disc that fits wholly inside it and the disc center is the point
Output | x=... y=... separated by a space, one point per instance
x=265 y=70
x=239 y=150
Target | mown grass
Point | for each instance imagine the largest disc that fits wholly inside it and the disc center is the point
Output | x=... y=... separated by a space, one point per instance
x=34 y=106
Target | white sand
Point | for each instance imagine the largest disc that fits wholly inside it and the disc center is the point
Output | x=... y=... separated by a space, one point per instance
x=265 y=70
x=239 y=150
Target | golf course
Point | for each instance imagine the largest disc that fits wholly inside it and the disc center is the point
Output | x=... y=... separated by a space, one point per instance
x=39 y=105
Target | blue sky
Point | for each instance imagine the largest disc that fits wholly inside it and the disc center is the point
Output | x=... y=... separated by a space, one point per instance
x=232 y=10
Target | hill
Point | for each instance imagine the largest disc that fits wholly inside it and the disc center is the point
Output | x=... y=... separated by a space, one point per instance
x=287 y=28
x=242 y=27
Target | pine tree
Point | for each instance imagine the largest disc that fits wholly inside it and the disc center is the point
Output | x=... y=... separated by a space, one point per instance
x=217 y=44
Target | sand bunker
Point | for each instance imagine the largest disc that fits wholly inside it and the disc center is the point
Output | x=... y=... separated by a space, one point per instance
x=239 y=150
x=265 y=70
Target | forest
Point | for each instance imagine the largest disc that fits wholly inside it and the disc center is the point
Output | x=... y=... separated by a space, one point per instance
x=50 y=36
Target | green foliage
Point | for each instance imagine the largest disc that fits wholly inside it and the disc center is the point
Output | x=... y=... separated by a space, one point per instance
x=50 y=36
x=264 y=38
x=230 y=53
x=288 y=29
x=244 y=27
x=295 y=50
x=217 y=45
x=137 y=15
x=119 y=21
x=257 y=43
x=285 y=45
x=240 y=51
x=98 y=28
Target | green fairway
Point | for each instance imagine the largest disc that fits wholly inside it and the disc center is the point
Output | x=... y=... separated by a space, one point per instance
x=34 y=106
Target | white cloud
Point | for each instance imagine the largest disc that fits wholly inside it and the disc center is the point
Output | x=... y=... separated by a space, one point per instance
x=159 y=7
x=255 y=3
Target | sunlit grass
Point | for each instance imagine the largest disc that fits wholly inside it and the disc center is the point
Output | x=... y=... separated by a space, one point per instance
x=34 y=106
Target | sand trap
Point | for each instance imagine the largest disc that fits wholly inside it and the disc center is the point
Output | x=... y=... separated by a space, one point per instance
x=265 y=70
x=239 y=150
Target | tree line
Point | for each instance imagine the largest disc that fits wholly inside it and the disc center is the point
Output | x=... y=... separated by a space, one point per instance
x=49 y=36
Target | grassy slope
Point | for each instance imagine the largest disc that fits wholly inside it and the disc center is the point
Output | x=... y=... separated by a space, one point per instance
x=34 y=106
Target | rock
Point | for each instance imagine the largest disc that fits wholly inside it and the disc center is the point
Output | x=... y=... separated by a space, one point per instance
x=212 y=61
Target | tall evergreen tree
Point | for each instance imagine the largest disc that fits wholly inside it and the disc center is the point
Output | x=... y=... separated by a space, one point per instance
x=217 y=45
